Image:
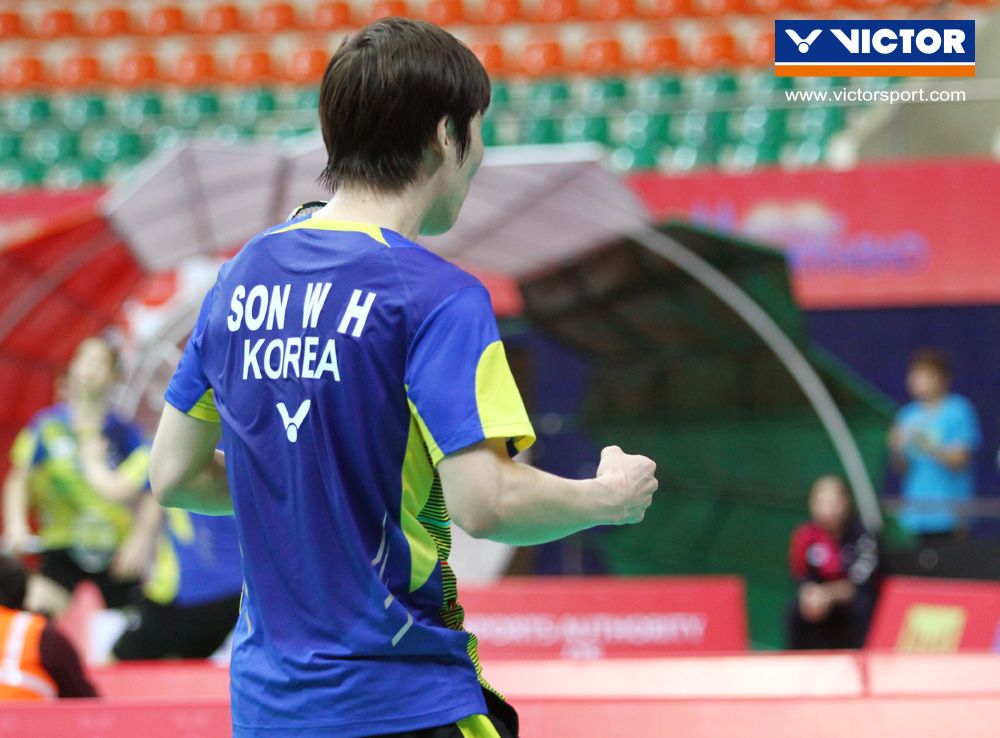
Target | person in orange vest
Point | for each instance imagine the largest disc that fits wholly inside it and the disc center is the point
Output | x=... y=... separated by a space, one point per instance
x=37 y=662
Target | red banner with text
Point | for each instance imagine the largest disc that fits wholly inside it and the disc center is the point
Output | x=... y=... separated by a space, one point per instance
x=879 y=235
x=606 y=617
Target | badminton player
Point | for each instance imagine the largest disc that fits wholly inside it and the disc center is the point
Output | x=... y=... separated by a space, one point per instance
x=357 y=391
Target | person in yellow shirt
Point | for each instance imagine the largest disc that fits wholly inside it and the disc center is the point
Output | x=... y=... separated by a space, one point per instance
x=83 y=469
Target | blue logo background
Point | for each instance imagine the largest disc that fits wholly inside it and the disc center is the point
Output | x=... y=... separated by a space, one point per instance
x=827 y=48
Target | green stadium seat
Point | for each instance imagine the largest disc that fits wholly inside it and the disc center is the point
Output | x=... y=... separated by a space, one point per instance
x=747 y=155
x=598 y=94
x=539 y=131
x=111 y=145
x=291 y=131
x=766 y=87
x=657 y=92
x=53 y=145
x=640 y=127
x=689 y=156
x=818 y=122
x=198 y=107
x=579 y=127
x=74 y=174
x=500 y=94
x=708 y=87
x=703 y=128
x=165 y=137
x=253 y=105
x=628 y=158
x=546 y=96
x=757 y=123
x=10 y=145
x=28 y=111
x=81 y=111
x=139 y=108
x=809 y=152
x=489 y=132
x=20 y=174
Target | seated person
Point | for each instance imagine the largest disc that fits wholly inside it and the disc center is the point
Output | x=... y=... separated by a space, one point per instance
x=37 y=661
x=835 y=562
x=192 y=599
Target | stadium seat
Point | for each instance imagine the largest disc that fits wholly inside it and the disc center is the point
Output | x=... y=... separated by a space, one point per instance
x=708 y=129
x=251 y=106
x=24 y=73
x=306 y=99
x=82 y=111
x=196 y=68
x=613 y=10
x=79 y=71
x=275 y=18
x=137 y=70
x=12 y=26
x=71 y=175
x=166 y=20
x=500 y=94
x=10 y=145
x=652 y=91
x=489 y=132
x=602 y=57
x=760 y=50
x=541 y=130
x=627 y=158
x=641 y=128
x=765 y=87
x=110 y=145
x=331 y=16
x=307 y=65
x=28 y=111
x=252 y=66
x=220 y=19
x=661 y=53
x=689 y=156
x=716 y=51
x=668 y=9
x=491 y=56
x=111 y=21
x=808 y=152
x=602 y=93
x=579 y=127
x=819 y=121
x=51 y=145
x=501 y=12
x=542 y=59
x=387 y=9
x=708 y=87
x=57 y=23
x=17 y=175
x=757 y=124
x=717 y=8
x=136 y=109
x=546 y=96
x=556 y=11
x=198 y=107
x=445 y=12
x=767 y=8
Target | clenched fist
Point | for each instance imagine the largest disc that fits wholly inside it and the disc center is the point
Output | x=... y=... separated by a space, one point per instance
x=630 y=480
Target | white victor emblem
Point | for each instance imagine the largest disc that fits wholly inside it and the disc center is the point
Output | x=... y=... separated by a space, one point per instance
x=803 y=44
x=292 y=423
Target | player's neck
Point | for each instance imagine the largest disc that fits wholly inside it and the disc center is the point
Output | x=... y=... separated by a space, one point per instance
x=401 y=212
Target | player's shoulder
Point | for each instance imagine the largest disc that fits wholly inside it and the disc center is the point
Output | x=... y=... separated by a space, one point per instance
x=429 y=278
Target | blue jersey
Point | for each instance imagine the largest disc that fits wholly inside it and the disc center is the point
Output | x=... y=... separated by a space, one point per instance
x=950 y=423
x=344 y=362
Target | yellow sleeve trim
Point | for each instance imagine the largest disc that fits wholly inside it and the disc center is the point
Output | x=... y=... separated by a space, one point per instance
x=501 y=409
x=23 y=450
x=204 y=409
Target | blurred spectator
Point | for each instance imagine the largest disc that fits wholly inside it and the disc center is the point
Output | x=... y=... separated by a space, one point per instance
x=192 y=599
x=835 y=562
x=83 y=468
x=37 y=661
x=933 y=441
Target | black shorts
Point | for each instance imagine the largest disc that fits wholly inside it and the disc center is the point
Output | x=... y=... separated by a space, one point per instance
x=502 y=716
x=59 y=566
x=163 y=631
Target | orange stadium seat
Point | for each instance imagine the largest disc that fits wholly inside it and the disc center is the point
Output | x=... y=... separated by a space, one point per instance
x=500 y=12
x=816 y=7
x=556 y=11
x=164 y=20
x=491 y=55
x=307 y=65
x=252 y=66
x=613 y=10
x=445 y=12
x=79 y=71
x=760 y=51
x=137 y=69
x=770 y=8
x=57 y=23
x=220 y=19
x=24 y=73
x=543 y=59
x=717 y=8
x=716 y=50
x=111 y=21
x=276 y=17
x=331 y=16
x=388 y=8
x=196 y=68
x=12 y=26
x=668 y=9
x=661 y=53
x=602 y=57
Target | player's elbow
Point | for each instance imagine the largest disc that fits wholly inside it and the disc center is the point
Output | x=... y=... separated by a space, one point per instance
x=164 y=476
x=478 y=515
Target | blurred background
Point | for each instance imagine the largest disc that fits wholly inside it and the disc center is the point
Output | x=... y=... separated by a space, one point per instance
x=733 y=272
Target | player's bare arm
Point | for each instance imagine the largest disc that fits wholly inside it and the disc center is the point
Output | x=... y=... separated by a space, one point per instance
x=185 y=470
x=491 y=496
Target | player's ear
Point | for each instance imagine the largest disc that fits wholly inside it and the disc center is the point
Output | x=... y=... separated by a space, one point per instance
x=444 y=138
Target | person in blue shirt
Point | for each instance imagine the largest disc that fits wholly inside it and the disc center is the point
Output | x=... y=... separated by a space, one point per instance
x=933 y=442
x=191 y=597
x=359 y=396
